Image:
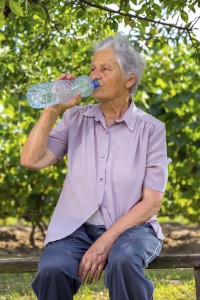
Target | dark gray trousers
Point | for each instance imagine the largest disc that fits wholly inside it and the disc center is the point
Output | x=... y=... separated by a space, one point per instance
x=57 y=277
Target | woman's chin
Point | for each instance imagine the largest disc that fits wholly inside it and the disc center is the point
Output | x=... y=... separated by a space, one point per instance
x=97 y=97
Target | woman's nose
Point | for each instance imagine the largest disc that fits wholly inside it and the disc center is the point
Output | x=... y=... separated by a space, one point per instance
x=95 y=74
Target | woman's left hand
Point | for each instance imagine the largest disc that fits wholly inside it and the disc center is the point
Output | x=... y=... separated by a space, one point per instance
x=95 y=259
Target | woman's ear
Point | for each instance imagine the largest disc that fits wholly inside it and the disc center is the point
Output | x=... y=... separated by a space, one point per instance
x=132 y=80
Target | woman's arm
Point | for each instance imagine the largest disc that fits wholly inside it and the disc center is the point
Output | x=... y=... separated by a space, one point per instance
x=149 y=205
x=95 y=258
x=35 y=154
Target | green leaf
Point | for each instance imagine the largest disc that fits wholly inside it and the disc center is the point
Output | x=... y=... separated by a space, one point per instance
x=16 y=8
x=153 y=31
x=134 y=2
x=81 y=14
x=2 y=37
x=2 y=19
x=158 y=10
x=160 y=82
x=184 y=16
x=2 y=4
x=11 y=67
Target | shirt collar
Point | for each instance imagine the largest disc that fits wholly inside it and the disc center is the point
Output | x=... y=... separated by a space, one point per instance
x=129 y=117
x=94 y=111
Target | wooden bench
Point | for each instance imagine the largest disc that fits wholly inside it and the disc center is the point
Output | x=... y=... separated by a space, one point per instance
x=26 y=265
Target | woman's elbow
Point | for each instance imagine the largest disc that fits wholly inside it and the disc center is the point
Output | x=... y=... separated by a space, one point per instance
x=158 y=206
x=28 y=162
x=35 y=163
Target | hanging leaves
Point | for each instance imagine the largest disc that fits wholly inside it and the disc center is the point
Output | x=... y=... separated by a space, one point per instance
x=16 y=8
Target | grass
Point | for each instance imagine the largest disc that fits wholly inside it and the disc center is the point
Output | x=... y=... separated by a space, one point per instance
x=175 y=284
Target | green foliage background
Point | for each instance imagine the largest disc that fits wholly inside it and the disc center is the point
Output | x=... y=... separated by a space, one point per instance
x=41 y=39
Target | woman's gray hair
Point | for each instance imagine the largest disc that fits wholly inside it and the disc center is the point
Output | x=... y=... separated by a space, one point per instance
x=130 y=60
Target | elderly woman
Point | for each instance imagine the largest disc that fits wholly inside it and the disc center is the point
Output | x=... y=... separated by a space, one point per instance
x=105 y=218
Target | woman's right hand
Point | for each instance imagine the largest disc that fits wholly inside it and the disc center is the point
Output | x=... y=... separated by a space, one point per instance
x=61 y=107
x=35 y=153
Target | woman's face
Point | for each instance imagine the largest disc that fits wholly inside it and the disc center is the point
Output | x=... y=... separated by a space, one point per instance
x=107 y=71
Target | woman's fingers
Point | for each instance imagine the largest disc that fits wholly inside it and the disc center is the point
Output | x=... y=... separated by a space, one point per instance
x=84 y=269
x=91 y=267
x=75 y=100
x=99 y=272
x=91 y=274
x=66 y=77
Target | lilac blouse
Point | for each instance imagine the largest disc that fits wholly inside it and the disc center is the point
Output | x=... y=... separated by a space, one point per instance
x=107 y=167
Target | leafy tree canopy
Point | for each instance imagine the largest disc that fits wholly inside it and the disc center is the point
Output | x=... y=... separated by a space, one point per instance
x=167 y=19
x=41 y=39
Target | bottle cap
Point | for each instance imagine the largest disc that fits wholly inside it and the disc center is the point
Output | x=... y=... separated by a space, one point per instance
x=95 y=83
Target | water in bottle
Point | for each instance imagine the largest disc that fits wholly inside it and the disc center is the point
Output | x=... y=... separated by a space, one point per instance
x=58 y=91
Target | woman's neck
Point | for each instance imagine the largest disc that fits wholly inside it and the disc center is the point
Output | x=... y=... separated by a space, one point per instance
x=114 y=110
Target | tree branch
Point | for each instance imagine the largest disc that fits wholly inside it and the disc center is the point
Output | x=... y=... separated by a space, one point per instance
x=49 y=18
x=195 y=46
x=131 y=16
x=194 y=22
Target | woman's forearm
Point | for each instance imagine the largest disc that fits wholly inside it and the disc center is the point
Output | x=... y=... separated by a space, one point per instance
x=148 y=206
x=35 y=148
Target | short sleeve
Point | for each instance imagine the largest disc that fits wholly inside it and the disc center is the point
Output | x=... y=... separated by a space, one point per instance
x=58 y=138
x=156 y=173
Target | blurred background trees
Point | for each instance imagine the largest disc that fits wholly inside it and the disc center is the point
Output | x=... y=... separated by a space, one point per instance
x=41 y=39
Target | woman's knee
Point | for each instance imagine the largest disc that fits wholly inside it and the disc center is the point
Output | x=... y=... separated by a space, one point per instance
x=49 y=267
x=123 y=260
x=55 y=277
x=57 y=265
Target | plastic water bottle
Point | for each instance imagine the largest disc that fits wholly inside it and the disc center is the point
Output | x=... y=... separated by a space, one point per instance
x=58 y=91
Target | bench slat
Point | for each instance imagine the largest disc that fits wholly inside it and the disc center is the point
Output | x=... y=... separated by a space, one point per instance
x=27 y=265
x=24 y=265
x=20 y=265
x=176 y=261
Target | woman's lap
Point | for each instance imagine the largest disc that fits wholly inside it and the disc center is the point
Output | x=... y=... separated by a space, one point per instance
x=136 y=247
x=139 y=240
